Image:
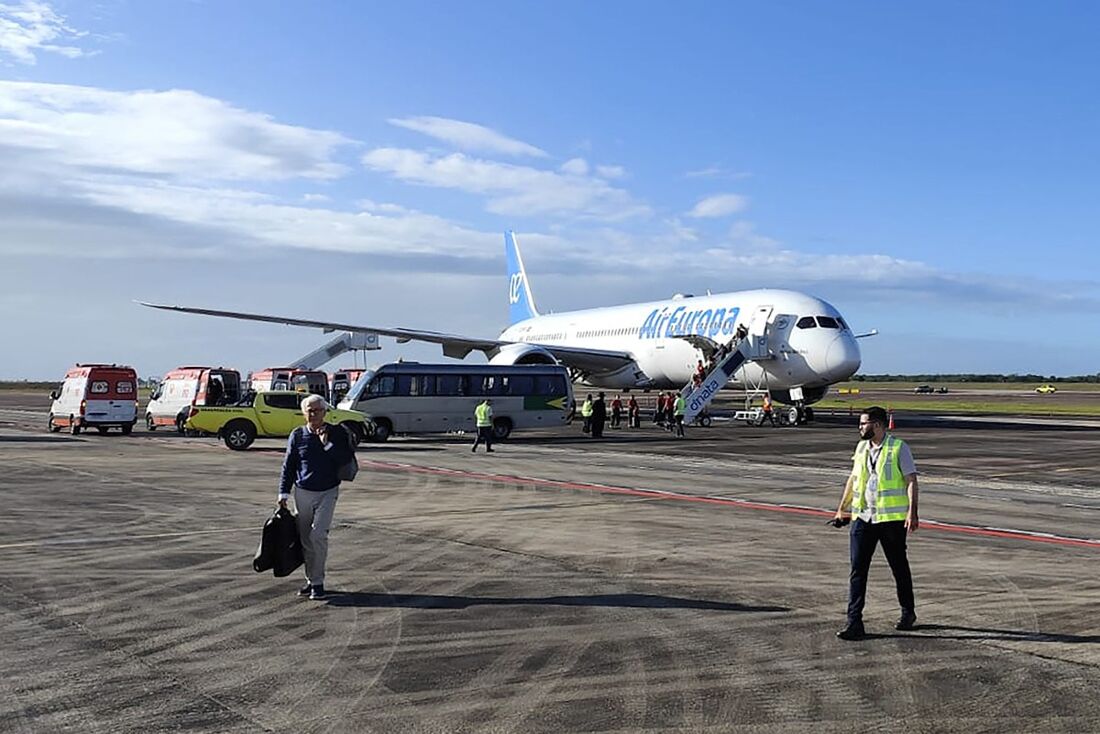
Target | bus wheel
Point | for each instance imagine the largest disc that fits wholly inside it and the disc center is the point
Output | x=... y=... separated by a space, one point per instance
x=127 y=429
x=54 y=428
x=74 y=427
x=239 y=435
x=355 y=430
x=502 y=428
x=149 y=424
x=383 y=429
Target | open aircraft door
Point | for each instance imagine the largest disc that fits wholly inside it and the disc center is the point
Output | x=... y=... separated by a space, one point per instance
x=758 y=334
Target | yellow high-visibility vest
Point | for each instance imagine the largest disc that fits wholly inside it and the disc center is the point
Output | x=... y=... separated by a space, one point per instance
x=681 y=404
x=484 y=414
x=586 y=408
x=892 y=496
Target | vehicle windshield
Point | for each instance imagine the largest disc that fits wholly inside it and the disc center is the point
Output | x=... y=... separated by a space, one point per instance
x=360 y=385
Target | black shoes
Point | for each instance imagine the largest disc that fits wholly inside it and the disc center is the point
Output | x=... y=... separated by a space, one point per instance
x=489 y=451
x=304 y=591
x=317 y=592
x=852 y=632
x=907 y=621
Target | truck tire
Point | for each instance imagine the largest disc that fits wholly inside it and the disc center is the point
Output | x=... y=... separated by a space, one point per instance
x=127 y=428
x=502 y=428
x=149 y=424
x=383 y=429
x=239 y=434
x=102 y=430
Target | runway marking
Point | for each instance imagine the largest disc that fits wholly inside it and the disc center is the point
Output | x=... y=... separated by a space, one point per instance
x=118 y=538
x=990 y=532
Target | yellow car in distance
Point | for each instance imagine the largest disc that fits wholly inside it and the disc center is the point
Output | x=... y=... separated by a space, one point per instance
x=1046 y=389
x=269 y=413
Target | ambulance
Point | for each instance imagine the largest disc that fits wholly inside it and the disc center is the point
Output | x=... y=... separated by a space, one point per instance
x=185 y=387
x=290 y=378
x=97 y=396
x=341 y=381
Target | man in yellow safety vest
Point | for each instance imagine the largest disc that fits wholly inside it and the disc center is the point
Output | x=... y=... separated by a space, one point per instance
x=881 y=493
x=484 y=415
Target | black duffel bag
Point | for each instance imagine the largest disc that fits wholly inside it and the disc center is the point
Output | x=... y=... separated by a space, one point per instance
x=280 y=549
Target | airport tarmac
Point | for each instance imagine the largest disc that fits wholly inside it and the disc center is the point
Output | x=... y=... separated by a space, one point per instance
x=640 y=583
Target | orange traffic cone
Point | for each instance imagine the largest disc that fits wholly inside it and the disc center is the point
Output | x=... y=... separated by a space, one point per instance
x=890 y=427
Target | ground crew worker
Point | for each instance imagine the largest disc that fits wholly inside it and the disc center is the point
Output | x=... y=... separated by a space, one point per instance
x=483 y=413
x=599 y=416
x=768 y=414
x=678 y=413
x=586 y=413
x=882 y=494
x=633 y=413
x=616 y=411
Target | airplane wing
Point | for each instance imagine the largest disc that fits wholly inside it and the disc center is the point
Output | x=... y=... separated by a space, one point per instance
x=458 y=347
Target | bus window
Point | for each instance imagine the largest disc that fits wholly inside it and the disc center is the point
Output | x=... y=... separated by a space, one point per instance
x=406 y=385
x=520 y=385
x=452 y=385
x=492 y=385
x=426 y=384
x=550 y=385
x=383 y=385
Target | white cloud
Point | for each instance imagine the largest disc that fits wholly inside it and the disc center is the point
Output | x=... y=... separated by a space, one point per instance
x=315 y=198
x=513 y=190
x=468 y=136
x=174 y=133
x=575 y=167
x=34 y=26
x=719 y=205
x=717 y=172
x=610 y=172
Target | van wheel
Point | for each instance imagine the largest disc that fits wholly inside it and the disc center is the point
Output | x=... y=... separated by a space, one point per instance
x=74 y=427
x=239 y=435
x=102 y=430
x=356 y=430
x=180 y=420
x=54 y=428
x=127 y=429
x=383 y=429
x=502 y=428
x=149 y=424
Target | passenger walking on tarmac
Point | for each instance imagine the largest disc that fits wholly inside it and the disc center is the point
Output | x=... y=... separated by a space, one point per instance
x=314 y=454
x=678 y=413
x=769 y=412
x=670 y=411
x=483 y=413
x=599 y=416
x=882 y=494
x=633 y=413
x=617 y=412
x=659 y=410
x=586 y=414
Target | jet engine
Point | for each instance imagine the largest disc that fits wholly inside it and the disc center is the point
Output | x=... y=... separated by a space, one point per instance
x=523 y=354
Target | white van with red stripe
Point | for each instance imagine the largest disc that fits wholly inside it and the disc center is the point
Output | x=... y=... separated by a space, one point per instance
x=290 y=378
x=99 y=396
x=185 y=387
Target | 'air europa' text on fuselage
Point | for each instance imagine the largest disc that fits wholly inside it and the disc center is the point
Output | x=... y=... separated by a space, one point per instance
x=680 y=322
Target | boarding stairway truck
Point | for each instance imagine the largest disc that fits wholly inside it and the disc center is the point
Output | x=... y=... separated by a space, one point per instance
x=345 y=342
x=697 y=398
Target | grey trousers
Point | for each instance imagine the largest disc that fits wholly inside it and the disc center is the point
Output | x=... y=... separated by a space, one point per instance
x=314 y=519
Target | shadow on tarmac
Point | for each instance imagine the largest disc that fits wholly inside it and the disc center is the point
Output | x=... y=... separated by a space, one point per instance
x=38 y=439
x=437 y=601
x=953 y=632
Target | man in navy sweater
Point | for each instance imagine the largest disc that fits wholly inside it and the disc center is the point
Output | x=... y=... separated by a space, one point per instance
x=314 y=454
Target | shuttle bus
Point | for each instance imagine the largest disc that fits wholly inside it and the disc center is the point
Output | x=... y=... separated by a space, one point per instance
x=408 y=397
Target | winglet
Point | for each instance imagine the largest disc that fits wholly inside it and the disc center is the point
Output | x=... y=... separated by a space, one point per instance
x=521 y=304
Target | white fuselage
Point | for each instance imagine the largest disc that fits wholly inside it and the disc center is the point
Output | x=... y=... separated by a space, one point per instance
x=797 y=354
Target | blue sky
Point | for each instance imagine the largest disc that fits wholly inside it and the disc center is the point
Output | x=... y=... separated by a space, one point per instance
x=929 y=168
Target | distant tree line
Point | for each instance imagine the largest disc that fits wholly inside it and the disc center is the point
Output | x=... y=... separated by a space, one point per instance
x=976 y=378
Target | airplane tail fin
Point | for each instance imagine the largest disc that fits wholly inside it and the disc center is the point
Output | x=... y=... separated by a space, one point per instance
x=521 y=304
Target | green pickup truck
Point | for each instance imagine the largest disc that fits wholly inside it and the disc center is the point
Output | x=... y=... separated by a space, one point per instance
x=270 y=413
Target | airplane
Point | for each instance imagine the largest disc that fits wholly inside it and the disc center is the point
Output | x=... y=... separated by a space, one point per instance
x=802 y=344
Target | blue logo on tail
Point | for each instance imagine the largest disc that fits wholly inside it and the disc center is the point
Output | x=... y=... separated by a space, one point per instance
x=521 y=304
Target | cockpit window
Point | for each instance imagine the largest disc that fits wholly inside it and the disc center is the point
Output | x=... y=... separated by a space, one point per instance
x=806 y=322
x=841 y=322
x=827 y=322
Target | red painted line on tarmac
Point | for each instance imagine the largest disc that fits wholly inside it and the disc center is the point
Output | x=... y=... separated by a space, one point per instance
x=1008 y=533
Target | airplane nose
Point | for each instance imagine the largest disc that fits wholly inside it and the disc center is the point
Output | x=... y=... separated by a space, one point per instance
x=842 y=358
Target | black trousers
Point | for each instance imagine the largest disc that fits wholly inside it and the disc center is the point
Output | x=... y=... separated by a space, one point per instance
x=862 y=541
x=484 y=433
